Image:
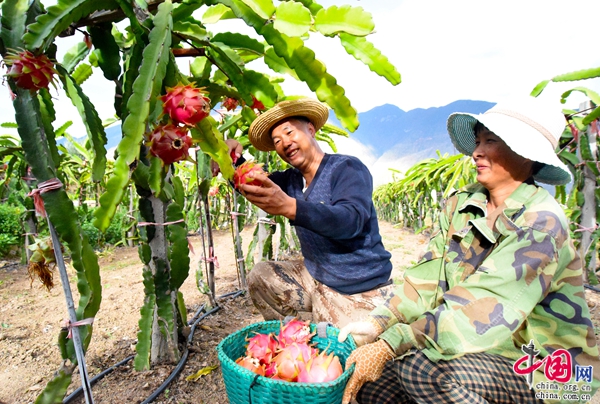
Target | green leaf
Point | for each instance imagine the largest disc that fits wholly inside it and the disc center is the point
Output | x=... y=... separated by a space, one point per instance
x=352 y=20
x=314 y=74
x=148 y=81
x=55 y=390
x=185 y=9
x=164 y=304
x=539 y=88
x=13 y=20
x=157 y=175
x=91 y=120
x=324 y=137
x=278 y=64
x=107 y=50
x=329 y=128
x=58 y=17
x=366 y=52
x=217 y=13
x=48 y=115
x=592 y=116
x=179 y=253
x=569 y=157
x=191 y=31
x=74 y=56
x=292 y=18
x=578 y=75
x=200 y=68
x=261 y=87
x=264 y=8
x=82 y=73
x=144 y=335
x=592 y=95
x=211 y=142
x=240 y=41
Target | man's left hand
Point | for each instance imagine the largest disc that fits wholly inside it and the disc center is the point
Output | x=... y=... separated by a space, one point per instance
x=269 y=197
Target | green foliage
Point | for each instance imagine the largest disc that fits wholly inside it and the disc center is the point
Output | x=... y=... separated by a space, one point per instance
x=10 y=220
x=7 y=241
x=415 y=200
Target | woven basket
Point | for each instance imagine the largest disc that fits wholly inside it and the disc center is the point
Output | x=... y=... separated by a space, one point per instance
x=246 y=387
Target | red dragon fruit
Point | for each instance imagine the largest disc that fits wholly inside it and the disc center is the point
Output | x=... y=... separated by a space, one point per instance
x=320 y=369
x=295 y=331
x=256 y=104
x=230 y=103
x=262 y=347
x=170 y=143
x=240 y=176
x=29 y=71
x=251 y=364
x=186 y=105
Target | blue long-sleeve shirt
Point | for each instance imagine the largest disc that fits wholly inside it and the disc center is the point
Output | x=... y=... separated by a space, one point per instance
x=337 y=224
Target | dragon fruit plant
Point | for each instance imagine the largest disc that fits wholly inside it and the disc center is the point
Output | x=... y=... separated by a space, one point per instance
x=29 y=71
x=290 y=357
x=230 y=104
x=185 y=104
x=170 y=143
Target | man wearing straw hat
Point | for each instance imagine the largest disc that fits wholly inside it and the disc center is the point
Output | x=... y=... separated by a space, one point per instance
x=346 y=270
x=495 y=311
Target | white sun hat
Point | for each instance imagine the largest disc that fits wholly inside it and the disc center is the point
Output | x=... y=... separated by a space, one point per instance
x=529 y=126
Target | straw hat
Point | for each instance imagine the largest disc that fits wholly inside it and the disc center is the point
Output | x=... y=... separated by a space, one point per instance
x=260 y=130
x=530 y=127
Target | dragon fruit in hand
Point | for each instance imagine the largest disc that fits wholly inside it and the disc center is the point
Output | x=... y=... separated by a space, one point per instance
x=240 y=176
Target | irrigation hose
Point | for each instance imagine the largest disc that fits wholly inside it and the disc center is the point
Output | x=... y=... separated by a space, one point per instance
x=179 y=366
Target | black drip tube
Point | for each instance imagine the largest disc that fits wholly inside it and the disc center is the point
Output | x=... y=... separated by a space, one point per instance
x=194 y=322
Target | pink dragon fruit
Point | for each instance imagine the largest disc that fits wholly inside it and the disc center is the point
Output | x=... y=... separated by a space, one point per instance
x=251 y=364
x=320 y=369
x=240 y=176
x=186 y=105
x=295 y=331
x=262 y=347
x=29 y=71
x=170 y=143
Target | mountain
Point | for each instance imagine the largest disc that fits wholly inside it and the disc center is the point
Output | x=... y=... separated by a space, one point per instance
x=389 y=137
x=387 y=126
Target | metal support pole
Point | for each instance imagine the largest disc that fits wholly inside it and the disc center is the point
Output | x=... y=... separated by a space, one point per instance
x=64 y=278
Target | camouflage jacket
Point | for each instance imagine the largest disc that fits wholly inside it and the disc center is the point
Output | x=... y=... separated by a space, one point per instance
x=492 y=285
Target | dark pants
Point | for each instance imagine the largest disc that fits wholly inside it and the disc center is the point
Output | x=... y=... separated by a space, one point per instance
x=472 y=378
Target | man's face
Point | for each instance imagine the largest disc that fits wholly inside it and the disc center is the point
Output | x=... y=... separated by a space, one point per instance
x=294 y=142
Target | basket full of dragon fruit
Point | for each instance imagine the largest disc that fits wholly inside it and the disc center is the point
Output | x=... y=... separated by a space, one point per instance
x=269 y=362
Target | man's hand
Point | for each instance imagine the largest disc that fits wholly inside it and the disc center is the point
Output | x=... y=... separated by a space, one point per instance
x=235 y=147
x=369 y=361
x=363 y=332
x=269 y=197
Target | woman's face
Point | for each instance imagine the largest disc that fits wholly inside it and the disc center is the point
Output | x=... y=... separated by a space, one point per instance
x=497 y=165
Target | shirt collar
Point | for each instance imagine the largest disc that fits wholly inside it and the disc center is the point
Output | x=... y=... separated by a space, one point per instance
x=512 y=208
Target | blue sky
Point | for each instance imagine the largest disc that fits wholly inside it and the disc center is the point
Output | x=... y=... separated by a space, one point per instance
x=445 y=50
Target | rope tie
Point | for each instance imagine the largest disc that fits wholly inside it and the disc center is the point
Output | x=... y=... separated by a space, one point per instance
x=211 y=258
x=264 y=220
x=69 y=325
x=583 y=229
x=43 y=187
x=142 y=224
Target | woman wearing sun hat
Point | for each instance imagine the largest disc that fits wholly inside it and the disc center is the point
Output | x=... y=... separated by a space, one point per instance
x=345 y=271
x=495 y=311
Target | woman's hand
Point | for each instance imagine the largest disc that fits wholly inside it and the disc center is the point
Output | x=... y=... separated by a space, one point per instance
x=369 y=362
x=363 y=332
x=269 y=197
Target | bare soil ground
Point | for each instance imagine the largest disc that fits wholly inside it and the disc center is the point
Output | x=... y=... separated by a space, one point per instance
x=30 y=319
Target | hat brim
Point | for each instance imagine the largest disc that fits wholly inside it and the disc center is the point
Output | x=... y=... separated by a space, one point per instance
x=259 y=133
x=520 y=137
